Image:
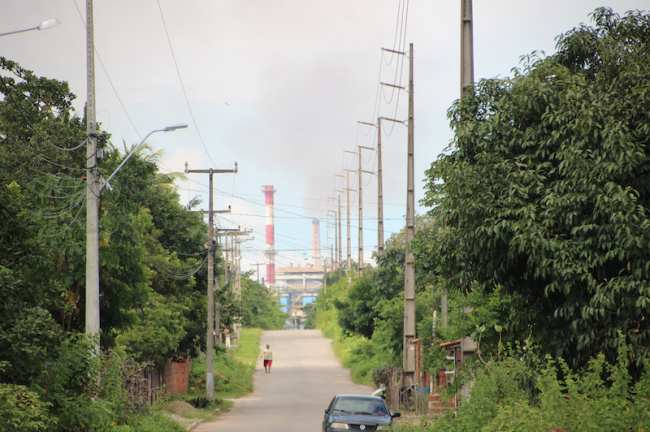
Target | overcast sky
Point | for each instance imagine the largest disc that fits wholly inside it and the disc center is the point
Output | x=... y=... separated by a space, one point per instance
x=278 y=86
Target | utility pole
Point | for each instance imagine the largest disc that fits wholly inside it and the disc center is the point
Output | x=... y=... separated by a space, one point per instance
x=339 y=209
x=380 y=195
x=92 y=192
x=467 y=47
x=347 y=189
x=380 y=191
x=217 y=306
x=468 y=345
x=339 y=252
x=361 y=171
x=209 y=381
x=335 y=234
x=347 y=193
x=258 y=270
x=238 y=325
x=360 y=241
x=409 y=271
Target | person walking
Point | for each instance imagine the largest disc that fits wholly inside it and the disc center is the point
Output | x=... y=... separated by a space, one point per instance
x=267 y=355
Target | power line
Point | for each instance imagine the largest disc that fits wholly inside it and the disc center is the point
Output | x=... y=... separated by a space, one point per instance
x=182 y=85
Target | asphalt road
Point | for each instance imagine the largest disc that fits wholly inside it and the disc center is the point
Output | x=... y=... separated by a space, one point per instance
x=293 y=397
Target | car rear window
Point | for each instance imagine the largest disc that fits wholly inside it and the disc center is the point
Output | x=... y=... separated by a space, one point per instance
x=362 y=406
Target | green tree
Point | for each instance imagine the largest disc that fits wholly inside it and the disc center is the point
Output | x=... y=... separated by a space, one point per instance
x=544 y=192
x=260 y=306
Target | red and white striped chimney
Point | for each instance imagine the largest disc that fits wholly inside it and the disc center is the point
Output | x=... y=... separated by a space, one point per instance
x=270 y=236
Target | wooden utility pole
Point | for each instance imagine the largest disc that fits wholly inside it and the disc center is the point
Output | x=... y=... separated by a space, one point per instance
x=209 y=355
x=409 y=271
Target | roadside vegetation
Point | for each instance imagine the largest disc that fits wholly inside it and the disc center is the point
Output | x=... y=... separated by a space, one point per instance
x=153 y=275
x=539 y=227
x=233 y=378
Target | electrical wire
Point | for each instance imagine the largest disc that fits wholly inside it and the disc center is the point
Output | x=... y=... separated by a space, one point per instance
x=183 y=86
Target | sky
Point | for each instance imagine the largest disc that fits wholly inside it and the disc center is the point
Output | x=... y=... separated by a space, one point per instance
x=278 y=87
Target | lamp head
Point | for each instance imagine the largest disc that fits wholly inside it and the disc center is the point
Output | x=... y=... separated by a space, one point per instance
x=49 y=24
x=174 y=127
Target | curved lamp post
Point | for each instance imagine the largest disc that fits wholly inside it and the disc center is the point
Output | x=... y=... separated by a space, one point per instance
x=42 y=26
x=92 y=247
x=135 y=150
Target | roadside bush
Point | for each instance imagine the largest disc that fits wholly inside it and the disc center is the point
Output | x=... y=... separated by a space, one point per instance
x=601 y=399
x=21 y=409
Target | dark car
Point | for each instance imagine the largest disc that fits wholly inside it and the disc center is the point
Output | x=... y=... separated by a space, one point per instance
x=357 y=412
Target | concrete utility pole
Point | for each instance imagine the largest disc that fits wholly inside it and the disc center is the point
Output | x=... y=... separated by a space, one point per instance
x=468 y=345
x=347 y=193
x=380 y=195
x=258 y=270
x=235 y=270
x=217 y=306
x=409 y=271
x=338 y=251
x=360 y=240
x=339 y=209
x=92 y=191
x=467 y=47
x=209 y=381
x=380 y=190
x=238 y=325
x=333 y=258
x=361 y=171
x=348 y=190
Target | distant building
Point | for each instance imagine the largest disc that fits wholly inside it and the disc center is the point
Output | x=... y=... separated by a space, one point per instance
x=298 y=287
x=300 y=277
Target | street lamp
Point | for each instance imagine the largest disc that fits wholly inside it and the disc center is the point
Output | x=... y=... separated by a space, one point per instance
x=42 y=26
x=92 y=234
x=135 y=150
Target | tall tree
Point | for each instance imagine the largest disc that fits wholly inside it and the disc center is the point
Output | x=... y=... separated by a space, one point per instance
x=545 y=190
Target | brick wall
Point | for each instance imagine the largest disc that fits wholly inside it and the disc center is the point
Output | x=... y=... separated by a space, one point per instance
x=177 y=377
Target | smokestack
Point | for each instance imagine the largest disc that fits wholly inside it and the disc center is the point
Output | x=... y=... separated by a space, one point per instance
x=315 y=241
x=270 y=236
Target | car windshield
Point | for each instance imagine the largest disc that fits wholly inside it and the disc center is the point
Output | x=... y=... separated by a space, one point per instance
x=361 y=406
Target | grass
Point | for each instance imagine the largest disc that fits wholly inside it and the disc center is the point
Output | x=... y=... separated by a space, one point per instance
x=233 y=378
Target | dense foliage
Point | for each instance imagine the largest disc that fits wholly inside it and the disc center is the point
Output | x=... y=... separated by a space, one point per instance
x=152 y=272
x=260 y=305
x=545 y=189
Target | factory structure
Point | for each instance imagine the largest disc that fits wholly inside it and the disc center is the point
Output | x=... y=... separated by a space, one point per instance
x=297 y=286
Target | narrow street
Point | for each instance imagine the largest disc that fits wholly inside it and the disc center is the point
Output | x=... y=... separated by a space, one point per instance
x=304 y=378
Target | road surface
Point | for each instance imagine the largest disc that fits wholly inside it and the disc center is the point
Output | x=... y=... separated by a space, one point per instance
x=304 y=378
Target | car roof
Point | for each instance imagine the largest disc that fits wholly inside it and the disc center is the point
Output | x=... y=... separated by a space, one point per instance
x=370 y=397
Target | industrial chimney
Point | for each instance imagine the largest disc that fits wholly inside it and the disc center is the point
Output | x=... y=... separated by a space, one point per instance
x=315 y=242
x=270 y=236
